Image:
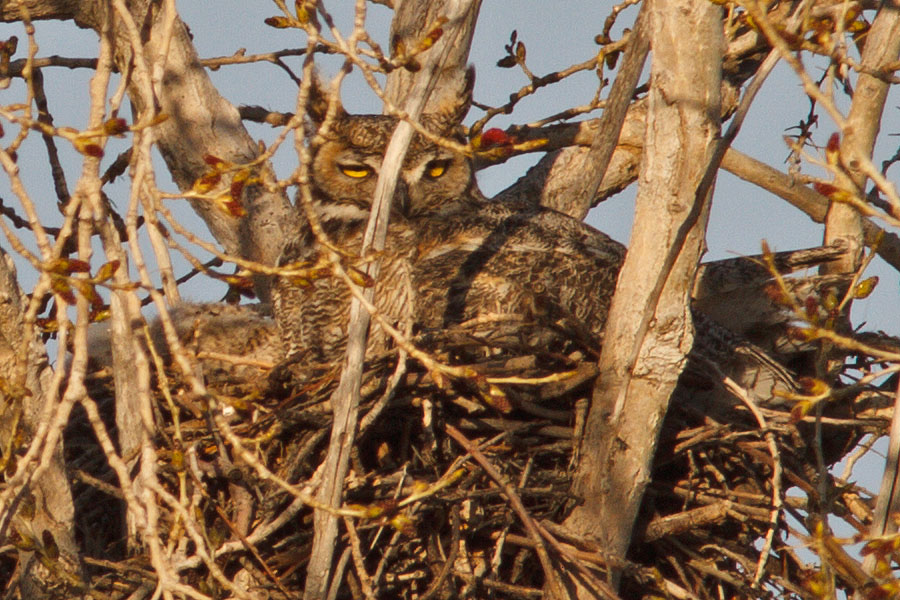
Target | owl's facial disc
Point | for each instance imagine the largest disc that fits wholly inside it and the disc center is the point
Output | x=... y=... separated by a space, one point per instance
x=347 y=163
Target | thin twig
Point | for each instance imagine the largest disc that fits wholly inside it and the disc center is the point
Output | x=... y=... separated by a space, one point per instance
x=346 y=398
x=557 y=590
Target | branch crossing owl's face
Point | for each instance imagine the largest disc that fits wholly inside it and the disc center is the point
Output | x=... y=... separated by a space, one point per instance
x=346 y=164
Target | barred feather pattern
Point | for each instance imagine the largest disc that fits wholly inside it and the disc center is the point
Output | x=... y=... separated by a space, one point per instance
x=452 y=256
x=312 y=312
x=498 y=258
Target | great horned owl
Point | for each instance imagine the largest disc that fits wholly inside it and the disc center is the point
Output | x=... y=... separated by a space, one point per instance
x=347 y=160
x=450 y=255
x=347 y=153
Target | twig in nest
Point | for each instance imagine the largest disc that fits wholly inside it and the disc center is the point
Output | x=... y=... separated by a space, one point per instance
x=741 y=394
x=365 y=581
x=550 y=573
x=451 y=556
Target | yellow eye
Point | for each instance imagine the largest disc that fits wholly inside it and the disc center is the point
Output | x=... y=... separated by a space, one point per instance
x=436 y=168
x=355 y=171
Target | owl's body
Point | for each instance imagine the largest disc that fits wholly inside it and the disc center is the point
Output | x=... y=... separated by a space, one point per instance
x=452 y=256
x=347 y=155
x=313 y=315
x=498 y=259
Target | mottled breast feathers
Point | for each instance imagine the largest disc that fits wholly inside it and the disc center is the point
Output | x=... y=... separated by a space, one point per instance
x=498 y=259
x=312 y=308
x=450 y=255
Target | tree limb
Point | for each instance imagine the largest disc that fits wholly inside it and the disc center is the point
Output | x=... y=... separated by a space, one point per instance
x=438 y=66
x=882 y=48
x=635 y=382
x=199 y=122
x=26 y=391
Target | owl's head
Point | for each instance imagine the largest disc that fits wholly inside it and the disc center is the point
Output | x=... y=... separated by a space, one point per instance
x=348 y=152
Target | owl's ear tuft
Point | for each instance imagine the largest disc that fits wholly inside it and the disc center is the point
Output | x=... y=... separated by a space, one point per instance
x=321 y=100
x=450 y=114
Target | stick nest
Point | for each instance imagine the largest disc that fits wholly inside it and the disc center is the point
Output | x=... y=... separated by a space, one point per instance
x=436 y=524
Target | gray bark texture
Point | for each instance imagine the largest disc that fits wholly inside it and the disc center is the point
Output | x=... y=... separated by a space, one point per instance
x=844 y=222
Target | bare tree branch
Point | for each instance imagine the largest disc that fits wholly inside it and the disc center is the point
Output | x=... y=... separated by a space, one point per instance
x=814 y=204
x=860 y=132
x=444 y=61
x=844 y=222
x=199 y=123
x=596 y=161
x=29 y=398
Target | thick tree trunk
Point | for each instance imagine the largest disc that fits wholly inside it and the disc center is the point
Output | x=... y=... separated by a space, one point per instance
x=412 y=20
x=882 y=46
x=649 y=330
x=845 y=223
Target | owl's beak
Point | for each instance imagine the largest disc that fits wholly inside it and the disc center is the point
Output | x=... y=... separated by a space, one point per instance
x=401 y=198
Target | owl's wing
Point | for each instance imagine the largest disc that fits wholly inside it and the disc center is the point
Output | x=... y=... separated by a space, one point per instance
x=498 y=260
